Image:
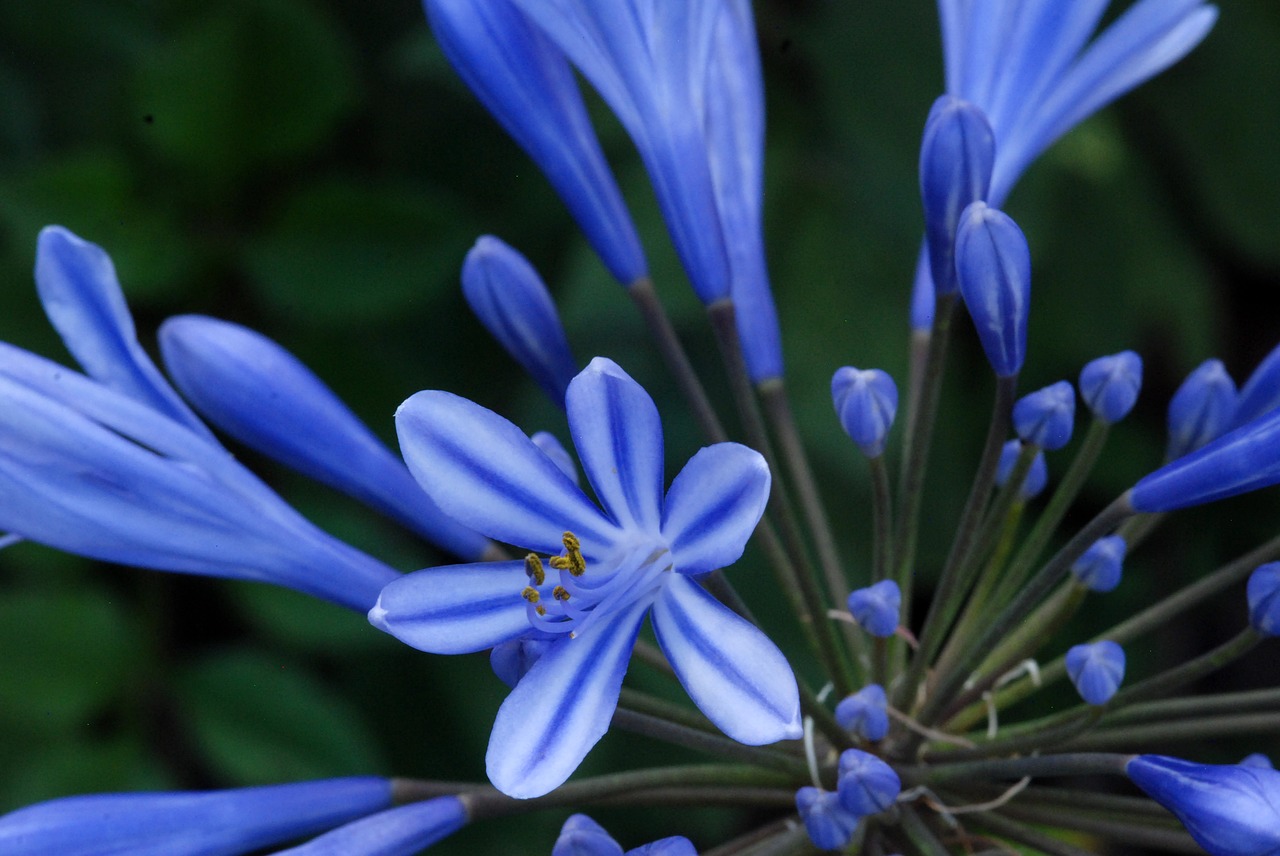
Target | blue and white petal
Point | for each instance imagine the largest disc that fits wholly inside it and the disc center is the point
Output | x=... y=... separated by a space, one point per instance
x=713 y=506
x=401 y=831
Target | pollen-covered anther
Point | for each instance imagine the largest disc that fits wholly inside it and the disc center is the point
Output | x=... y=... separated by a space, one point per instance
x=572 y=561
x=531 y=594
x=560 y=593
x=533 y=569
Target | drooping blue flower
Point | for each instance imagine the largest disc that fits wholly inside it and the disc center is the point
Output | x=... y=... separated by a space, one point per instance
x=1110 y=385
x=865 y=713
x=582 y=836
x=876 y=608
x=1260 y=394
x=1099 y=568
x=638 y=556
x=1037 y=476
x=866 y=785
x=205 y=823
x=523 y=79
x=263 y=396
x=830 y=825
x=1201 y=410
x=993 y=266
x=1230 y=810
x=1263 y=592
x=512 y=302
x=401 y=831
x=1046 y=416
x=866 y=400
x=1096 y=669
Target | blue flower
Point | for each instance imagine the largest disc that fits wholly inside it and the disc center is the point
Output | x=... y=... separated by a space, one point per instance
x=866 y=402
x=1202 y=409
x=1099 y=568
x=1110 y=385
x=195 y=823
x=638 y=556
x=993 y=266
x=1230 y=810
x=582 y=836
x=401 y=831
x=1261 y=392
x=830 y=825
x=866 y=785
x=876 y=608
x=1046 y=416
x=1096 y=669
x=865 y=713
x=1037 y=476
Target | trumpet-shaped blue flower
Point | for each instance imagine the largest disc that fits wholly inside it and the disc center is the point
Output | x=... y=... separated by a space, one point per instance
x=1263 y=592
x=1110 y=385
x=1096 y=670
x=401 y=831
x=866 y=402
x=993 y=266
x=1046 y=416
x=639 y=555
x=830 y=825
x=206 y=823
x=582 y=836
x=1100 y=567
x=1037 y=476
x=1230 y=810
x=1202 y=409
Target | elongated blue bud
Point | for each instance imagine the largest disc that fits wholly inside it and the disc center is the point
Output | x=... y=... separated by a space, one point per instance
x=511 y=301
x=866 y=400
x=401 y=831
x=1261 y=392
x=993 y=265
x=195 y=823
x=262 y=395
x=526 y=83
x=1230 y=810
x=1246 y=459
x=1037 y=476
x=866 y=785
x=1263 y=592
x=865 y=713
x=1099 y=568
x=1046 y=417
x=1110 y=385
x=1201 y=410
x=829 y=824
x=876 y=608
x=957 y=155
x=1096 y=669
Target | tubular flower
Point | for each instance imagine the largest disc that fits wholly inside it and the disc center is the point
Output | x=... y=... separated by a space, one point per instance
x=638 y=556
x=993 y=266
x=1201 y=410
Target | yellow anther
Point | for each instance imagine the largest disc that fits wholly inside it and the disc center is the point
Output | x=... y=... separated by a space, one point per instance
x=572 y=561
x=541 y=610
x=533 y=569
x=531 y=594
x=560 y=593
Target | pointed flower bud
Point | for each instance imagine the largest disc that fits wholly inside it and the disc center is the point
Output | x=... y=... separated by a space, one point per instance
x=401 y=831
x=829 y=824
x=1261 y=392
x=522 y=78
x=956 y=158
x=1096 y=669
x=513 y=304
x=866 y=785
x=876 y=608
x=1263 y=592
x=1110 y=385
x=1230 y=810
x=1099 y=568
x=865 y=713
x=1046 y=417
x=1257 y=759
x=1201 y=410
x=866 y=401
x=923 y=299
x=1037 y=476
x=993 y=265
x=232 y=821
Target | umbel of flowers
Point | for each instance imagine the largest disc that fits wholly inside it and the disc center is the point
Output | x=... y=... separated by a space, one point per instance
x=910 y=742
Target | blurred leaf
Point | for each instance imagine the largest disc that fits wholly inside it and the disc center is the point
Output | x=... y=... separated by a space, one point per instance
x=304 y=622
x=69 y=767
x=259 y=719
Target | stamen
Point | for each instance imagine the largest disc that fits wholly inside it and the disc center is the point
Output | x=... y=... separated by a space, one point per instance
x=560 y=593
x=572 y=561
x=533 y=569
x=531 y=594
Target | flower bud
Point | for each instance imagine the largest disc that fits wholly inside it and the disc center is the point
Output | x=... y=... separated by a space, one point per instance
x=864 y=713
x=1263 y=592
x=1037 y=476
x=1110 y=385
x=400 y=831
x=1099 y=568
x=866 y=785
x=993 y=266
x=1260 y=394
x=829 y=824
x=1257 y=759
x=582 y=836
x=1096 y=669
x=866 y=400
x=1201 y=410
x=876 y=608
x=1046 y=417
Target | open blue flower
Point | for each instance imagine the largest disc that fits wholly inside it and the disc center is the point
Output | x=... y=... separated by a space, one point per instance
x=640 y=555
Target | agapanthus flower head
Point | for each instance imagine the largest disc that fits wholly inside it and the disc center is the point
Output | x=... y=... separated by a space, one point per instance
x=608 y=569
x=582 y=836
x=1096 y=669
x=1259 y=394
x=865 y=713
x=523 y=79
x=876 y=608
x=866 y=400
x=1037 y=476
x=830 y=825
x=865 y=784
x=1046 y=416
x=1100 y=567
x=190 y=823
x=993 y=266
x=1263 y=592
x=1230 y=810
x=1202 y=409
x=401 y=831
x=512 y=302
x=1110 y=385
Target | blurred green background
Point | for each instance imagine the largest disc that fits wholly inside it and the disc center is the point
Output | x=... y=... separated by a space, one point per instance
x=313 y=169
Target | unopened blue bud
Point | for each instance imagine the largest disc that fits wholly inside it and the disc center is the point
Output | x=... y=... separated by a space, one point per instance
x=866 y=400
x=1046 y=417
x=993 y=265
x=1263 y=592
x=1257 y=759
x=1037 y=476
x=401 y=831
x=865 y=713
x=1261 y=392
x=1201 y=410
x=1096 y=669
x=829 y=824
x=866 y=785
x=1110 y=385
x=513 y=304
x=582 y=836
x=1230 y=810
x=876 y=608
x=1099 y=568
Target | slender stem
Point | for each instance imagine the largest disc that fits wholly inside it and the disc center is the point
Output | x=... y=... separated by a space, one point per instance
x=920 y=835
x=881 y=519
x=1043 y=625
x=1196 y=706
x=643 y=702
x=1161 y=733
x=1073 y=764
x=706 y=795
x=1057 y=730
x=792 y=841
x=747 y=840
x=1192 y=670
x=1011 y=829
x=1126 y=831
x=1089 y=800
x=404 y=791
x=711 y=744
